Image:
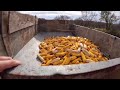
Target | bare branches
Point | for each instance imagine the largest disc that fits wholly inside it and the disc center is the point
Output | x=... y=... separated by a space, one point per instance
x=88 y=15
x=109 y=17
x=62 y=17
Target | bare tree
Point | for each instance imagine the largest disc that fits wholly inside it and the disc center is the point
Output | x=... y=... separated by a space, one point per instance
x=86 y=18
x=109 y=18
x=62 y=17
x=88 y=15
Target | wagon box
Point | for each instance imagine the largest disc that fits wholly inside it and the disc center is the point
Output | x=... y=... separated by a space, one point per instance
x=24 y=41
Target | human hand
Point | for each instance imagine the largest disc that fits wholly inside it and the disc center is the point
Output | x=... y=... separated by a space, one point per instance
x=7 y=62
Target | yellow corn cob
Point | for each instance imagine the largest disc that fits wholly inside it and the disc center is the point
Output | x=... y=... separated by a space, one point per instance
x=67 y=46
x=76 y=54
x=85 y=52
x=65 y=59
x=83 y=56
x=105 y=58
x=41 y=58
x=88 y=60
x=58 y=62
x=61 y=45
x=43 y=54
x=94 y=52
x=77 y=62
x=60 y=54
x=49 y=56
x=94 y=59
x=73 y=57
x=87 y=57
x=74 y=61
x=48 y=62
x=79 y=59
x=91 y=54
x=55 y=60
x=43 y=65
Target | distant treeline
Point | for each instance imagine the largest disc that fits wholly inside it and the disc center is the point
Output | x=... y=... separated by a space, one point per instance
x=63 y=24
x=100 y=26
x=93 y=24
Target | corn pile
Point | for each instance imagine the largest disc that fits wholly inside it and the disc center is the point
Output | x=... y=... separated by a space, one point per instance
x=68 y=50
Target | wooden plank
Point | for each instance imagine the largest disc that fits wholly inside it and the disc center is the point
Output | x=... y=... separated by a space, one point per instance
x=14 y=42
x=21 y=38
x=2 y=48
x=5 y=34
x=18 y=21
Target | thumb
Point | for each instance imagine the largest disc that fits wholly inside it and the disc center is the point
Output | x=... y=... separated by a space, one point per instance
x=8 y=64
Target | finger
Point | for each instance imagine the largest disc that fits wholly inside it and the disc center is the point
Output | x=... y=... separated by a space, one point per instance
x=5 y=58
x=8 y=64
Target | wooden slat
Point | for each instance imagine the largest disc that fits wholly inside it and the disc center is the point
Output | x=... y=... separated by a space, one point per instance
x=2 y=48
x=5 y=34
x=18 y=21
x=15 y=34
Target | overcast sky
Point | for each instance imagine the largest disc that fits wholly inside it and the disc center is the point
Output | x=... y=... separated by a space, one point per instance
x=52 y=14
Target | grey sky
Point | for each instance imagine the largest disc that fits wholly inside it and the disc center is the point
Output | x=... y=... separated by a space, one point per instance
x=52 y=14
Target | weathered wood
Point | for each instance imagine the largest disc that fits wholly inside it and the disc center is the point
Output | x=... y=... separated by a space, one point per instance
x=108 y=44
x=18 y=21
x=45 y=25
x=5 y=35
x=23 y=27
x=2 y=48
x=20 y=38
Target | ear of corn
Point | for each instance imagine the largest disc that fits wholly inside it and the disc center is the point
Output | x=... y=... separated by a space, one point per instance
x=48 y=56
x=60 y=54
x=73 y=58
x=91 y=54
x=83 y=56
x=74 y=62
x=76 y=54
x=41 y=58
x=68 y=50
x=58 y=62
x=66 y=61
x=48 y=62
x=55 y=60
x=43 y=54
x=89 y=60
x=77 y=62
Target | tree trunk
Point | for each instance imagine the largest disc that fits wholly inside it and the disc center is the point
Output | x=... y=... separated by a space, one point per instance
x=107 y=26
